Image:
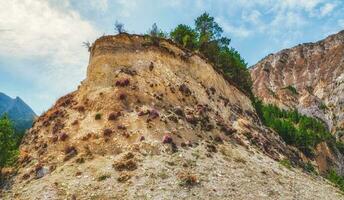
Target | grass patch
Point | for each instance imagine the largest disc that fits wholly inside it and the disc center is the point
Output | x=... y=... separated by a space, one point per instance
x=162 y=175
x=103 y=177
x=286 y=163
x=336 y=179
x=308 y=167
x=292 y=89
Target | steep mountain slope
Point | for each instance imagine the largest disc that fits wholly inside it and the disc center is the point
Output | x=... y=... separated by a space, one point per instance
x=155 y=121
x=18 y=111
x=308 y=77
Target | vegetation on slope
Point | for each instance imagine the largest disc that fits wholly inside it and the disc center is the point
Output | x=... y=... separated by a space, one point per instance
x=302 y=132
x=336 y=179
x=295 y=129
x=9 y=144
x=292 y=89
x=206 y=38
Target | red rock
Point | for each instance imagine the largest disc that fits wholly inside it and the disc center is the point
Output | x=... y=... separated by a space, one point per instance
x=167 y=139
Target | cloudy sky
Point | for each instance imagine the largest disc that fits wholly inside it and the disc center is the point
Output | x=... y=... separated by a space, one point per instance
x=41 y=52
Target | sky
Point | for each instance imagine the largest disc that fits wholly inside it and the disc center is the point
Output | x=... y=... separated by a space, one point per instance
x=42 y=57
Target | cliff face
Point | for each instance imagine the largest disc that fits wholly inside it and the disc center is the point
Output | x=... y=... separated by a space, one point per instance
x=153 y=121
x=308 y=77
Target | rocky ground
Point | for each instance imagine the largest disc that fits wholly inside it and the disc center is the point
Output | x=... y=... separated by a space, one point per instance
x=151 y=171
x=229 y=172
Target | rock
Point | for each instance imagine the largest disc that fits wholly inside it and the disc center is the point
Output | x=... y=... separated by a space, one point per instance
x=184 y=89
x=167 y=139
x=41 y=172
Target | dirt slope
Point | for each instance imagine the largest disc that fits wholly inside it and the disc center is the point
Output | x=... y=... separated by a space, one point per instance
x=154 y=121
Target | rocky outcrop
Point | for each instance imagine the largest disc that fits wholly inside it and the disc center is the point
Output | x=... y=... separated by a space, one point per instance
x=151 y=121
x=315 y=71
x=309 y=78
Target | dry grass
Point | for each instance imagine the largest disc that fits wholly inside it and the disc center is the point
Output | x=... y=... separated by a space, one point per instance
x=127 y=163
x=187 y=178
x=123 y=177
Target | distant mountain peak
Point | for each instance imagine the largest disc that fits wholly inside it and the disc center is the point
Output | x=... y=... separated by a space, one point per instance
x=17 y=110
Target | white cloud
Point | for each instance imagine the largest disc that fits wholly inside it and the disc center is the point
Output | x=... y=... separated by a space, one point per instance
x=288 y=20
x=238 y=31
x=49 y=37
x=327 y=8
x=37 y=29
x=307 y=5
x=253 y=18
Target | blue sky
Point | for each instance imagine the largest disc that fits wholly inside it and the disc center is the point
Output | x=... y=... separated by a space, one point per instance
x=41 y=52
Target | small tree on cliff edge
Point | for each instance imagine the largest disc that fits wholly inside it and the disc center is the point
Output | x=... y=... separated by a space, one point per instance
x=185 y=35
x=207 y=38
x=119 y=27
x=156 y=34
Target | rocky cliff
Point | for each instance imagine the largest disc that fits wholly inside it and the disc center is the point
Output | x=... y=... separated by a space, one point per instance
x=155 y=121
x=308 y=77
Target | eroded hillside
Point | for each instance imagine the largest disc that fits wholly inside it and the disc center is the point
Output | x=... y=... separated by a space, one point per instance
x=155 y=121
x=308 y=77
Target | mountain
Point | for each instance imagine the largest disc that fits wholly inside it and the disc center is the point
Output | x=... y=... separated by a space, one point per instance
x=153 y=120
x=308 y=77
x=18 y=111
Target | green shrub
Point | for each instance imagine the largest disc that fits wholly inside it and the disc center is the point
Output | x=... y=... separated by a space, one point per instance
x=292 y=89
x=308 y=167
x=286 y=163
x=98 y=116
x=103 y=177
x=336 y=179
x=185 y=36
